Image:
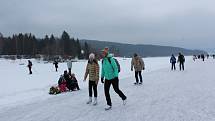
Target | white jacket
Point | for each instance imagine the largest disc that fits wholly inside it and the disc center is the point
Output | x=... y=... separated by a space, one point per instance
x=69 y=64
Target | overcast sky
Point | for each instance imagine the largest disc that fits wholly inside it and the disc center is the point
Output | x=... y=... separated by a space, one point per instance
x=183 y=23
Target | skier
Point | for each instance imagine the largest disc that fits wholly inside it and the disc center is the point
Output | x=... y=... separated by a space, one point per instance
x=138 y=64
x=69 y=65
x=173 y=61
x=92 y=70
x=181 y=61
x=110 y=73
x=30 y=66
x=56 y=65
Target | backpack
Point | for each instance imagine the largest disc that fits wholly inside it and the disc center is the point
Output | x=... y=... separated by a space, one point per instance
x=117 y=63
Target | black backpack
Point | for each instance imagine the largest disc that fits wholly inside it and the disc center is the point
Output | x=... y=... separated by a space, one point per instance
x=117 y=63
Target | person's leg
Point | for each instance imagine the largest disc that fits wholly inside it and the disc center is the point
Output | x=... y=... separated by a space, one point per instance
x=30 y=72
x=90 y=93
x=115 y=84
x=174 y=66
x=107 y=89
x=140 y=75
x=69 y=70
x=90 y=88
x=183 y=66
x=180 y=64
x=136 y=76
x=95 y=89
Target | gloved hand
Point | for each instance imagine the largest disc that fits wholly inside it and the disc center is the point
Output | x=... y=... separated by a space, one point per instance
x=131 y=69
x=102 y=79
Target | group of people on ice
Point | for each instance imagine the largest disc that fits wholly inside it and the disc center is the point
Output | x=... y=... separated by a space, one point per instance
x=181 y=61
x=110 y=70
x=66 y=82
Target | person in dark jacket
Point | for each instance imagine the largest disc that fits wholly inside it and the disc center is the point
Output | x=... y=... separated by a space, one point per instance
x=71 y=81
x=74 y=85
x=181 y=61
x=203 y=57
x=30 y=66
x=173 y=61
x=56 y=65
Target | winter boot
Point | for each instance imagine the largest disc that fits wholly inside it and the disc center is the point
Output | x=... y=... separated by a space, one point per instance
x=124 y=101
x=95 y=101
x=90 y=100
x=108 y=107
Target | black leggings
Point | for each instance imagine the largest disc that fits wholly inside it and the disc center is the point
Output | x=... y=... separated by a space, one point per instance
x=136 y=76
x=92 y=88
x=115 y=83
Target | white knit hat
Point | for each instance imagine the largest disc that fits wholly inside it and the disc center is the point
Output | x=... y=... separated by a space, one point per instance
x=92 y=56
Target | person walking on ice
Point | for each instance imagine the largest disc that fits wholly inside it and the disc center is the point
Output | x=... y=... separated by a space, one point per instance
x=181 y=61
x=56 y=65
x=138 y=64
x=110 y=74
x=92 y=70
x=173 y=61
x=30 y=66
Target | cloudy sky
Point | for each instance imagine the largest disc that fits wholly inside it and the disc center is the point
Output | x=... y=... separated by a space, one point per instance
x=183 y=23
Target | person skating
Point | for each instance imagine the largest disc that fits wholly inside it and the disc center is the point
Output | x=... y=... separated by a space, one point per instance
x=30 y=66
x=56 y=65
x=138 y=64
x=110 y=74
x=173 y=61
x=181 y=61
x=92 y=70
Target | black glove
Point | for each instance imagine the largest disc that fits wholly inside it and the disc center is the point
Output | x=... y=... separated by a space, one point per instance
x=102 y=79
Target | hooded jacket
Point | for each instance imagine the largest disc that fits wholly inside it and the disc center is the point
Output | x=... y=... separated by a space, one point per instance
x=137 y=63
x=109 y=69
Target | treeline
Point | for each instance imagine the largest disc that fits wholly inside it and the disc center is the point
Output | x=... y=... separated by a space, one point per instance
x=27 y=44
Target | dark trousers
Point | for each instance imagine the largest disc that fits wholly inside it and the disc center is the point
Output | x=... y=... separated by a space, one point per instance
x=92 y=88
x=181 y=65
x=70 y=70
x=56 y=68
x=140 y=75
x=30 y=72
x=173 y=66
x=115 y=83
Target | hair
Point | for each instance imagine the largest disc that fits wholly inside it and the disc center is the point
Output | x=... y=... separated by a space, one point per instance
x=135 y=54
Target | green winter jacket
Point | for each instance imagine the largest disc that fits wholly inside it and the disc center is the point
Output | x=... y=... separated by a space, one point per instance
x=109 y=70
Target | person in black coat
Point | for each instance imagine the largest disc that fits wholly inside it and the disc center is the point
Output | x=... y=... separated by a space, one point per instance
x=173 y=61
x=181 y=60
x=30 y=66
x=56 y=65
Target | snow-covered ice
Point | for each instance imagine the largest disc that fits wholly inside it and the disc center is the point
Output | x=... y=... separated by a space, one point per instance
x=164 y=96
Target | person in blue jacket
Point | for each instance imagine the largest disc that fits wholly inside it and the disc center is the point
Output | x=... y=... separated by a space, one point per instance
x=173 y=61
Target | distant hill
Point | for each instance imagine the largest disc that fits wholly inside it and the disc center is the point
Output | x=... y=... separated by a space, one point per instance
x=127 y=50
